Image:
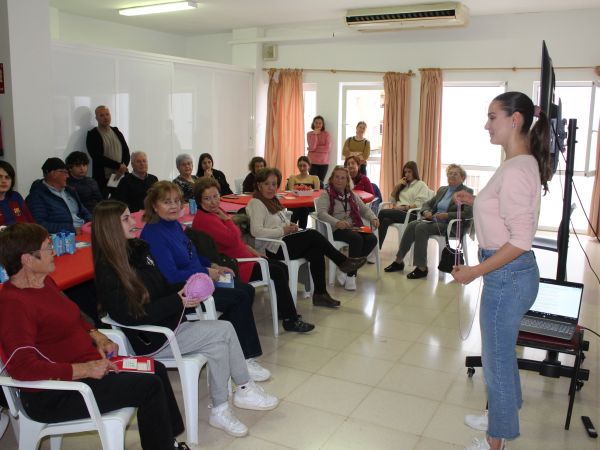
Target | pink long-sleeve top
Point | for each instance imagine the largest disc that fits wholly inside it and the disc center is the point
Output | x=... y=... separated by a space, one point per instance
x=318 y=147
x=507 y=208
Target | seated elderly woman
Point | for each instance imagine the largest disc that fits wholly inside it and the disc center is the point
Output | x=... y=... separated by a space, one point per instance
x=212 y=220
x=256 y=163
x=267 y=220
x=435 y=215
x=133 y=291
x=13 y=208
x=360 y=181
x=205 y=169
x=409 y=193
x=45 y=337
x=186 y=178
x=344 y=210
x=177 y=259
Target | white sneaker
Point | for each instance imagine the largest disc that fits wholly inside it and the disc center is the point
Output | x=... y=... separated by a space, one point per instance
x=341 y=278
x=350 y=284
x=477 y=422
x=252 y=396
x=256 y=371
x=3 y=422
x=222 y=417
x=482 y=444
x=372 y=258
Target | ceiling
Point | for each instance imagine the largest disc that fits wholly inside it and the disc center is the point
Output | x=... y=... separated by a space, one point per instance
x=219 y=16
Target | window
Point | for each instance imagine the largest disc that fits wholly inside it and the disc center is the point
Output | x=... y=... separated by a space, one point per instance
x=580 y=100
x=363 y=102
x=464 y=139
x=310 y=105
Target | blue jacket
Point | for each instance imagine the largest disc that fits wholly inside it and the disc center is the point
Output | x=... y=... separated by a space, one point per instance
x=51 y=211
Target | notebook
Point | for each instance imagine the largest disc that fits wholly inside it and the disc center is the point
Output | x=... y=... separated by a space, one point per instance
x=555 y=312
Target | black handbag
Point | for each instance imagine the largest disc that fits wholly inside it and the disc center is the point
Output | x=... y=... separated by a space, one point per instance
x=448 y=258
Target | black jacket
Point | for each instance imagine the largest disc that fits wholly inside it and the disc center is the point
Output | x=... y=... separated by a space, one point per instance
x=219 y=176
x=95 y=148
x=132 y=190
x=88 y=190
x=164 y=309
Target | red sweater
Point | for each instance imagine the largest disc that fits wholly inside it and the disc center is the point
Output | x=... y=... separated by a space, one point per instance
x=47 y=320
x=228 y=238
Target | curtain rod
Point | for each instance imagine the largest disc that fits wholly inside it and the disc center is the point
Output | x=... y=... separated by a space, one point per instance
x=409 y=73
x=514 y=69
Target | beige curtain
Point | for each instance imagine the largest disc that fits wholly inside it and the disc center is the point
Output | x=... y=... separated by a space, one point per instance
x=430 y=127
x=394 y=147
x=284 y=141
x=595 y=206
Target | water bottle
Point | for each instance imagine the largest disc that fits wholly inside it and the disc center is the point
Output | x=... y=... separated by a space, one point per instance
x=3 y=274
x=192 y=206
x=69 y=243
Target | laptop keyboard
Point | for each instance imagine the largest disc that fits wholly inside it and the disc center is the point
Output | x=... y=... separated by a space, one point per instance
x=547 y=327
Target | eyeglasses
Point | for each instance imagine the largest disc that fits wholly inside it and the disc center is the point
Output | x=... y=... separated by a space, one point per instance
x=62 y=171
x=454 y=174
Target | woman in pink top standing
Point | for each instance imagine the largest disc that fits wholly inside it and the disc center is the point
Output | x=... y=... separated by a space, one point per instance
x=319 y=144
x=506 y=215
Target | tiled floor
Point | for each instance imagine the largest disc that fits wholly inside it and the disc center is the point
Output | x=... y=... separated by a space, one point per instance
x=386 y=371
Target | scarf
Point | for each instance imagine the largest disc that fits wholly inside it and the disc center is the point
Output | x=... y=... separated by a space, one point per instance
x=273 y=205
x=345 y=198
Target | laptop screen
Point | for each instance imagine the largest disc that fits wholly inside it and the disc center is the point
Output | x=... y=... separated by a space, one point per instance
x=558 y=299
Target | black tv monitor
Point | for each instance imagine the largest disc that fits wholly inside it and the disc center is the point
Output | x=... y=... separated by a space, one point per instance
x=553 y=111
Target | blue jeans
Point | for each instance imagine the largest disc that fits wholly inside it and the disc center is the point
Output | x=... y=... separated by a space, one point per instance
x=508 y=293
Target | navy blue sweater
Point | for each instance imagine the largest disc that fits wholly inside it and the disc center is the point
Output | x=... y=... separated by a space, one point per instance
x=173 y=251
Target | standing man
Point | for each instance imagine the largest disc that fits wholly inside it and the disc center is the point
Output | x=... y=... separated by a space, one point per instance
x=133 y=187
x=108 y=149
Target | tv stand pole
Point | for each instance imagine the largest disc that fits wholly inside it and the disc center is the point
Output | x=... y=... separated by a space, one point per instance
x=565 y=224
x=551 y=365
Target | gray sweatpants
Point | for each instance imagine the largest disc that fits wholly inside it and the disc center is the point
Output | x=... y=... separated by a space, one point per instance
x=218 y=342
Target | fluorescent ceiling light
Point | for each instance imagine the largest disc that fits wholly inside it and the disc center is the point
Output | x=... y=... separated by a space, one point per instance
x=160 y=8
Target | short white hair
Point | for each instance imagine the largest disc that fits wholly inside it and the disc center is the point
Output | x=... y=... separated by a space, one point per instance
x=183 y=157
x=138 y=153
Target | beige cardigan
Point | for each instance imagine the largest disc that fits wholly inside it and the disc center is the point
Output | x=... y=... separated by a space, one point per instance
x=338 y=210
x=263 y=224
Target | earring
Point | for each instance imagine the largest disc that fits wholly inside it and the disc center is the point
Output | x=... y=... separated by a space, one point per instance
x=514 y=125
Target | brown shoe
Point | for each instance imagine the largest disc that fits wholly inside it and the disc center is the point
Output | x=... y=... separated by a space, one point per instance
x=325 y=300
x=352 y=264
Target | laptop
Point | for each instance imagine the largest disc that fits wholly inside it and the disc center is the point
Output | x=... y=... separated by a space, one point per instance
x=555 y=312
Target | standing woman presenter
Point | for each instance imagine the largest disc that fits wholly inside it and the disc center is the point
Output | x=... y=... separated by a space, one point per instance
x=506 y=216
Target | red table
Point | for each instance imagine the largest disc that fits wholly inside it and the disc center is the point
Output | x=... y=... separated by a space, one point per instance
x=234 y=202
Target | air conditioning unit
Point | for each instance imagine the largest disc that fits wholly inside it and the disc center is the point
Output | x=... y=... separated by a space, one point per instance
x=432 y=15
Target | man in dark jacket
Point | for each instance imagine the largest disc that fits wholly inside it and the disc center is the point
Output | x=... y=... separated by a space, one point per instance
x=133 y=187
x=53 y=204
x=108 y=149
x=87 y=188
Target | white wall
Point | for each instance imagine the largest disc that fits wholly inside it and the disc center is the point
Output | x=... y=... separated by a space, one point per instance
x=211 y=47
x=84 y=30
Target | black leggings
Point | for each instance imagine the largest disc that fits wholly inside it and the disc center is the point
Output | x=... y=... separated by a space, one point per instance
x=279 y=275
x=359 y=244
x=312 y=246
x=300 y=216
x=158 y=416
x=388 y=217
x=236 y=305
x=319 y=170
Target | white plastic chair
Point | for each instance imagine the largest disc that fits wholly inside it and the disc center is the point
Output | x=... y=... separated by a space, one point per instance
x=268 y=282
x=441 y=240
x=110 y=426
x=293 y=269
x=188 y=365
x=400 y=227
x=326 y=230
